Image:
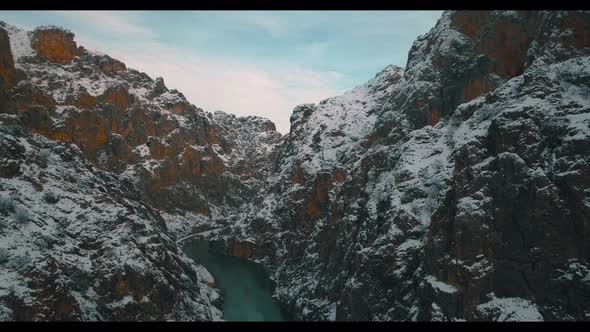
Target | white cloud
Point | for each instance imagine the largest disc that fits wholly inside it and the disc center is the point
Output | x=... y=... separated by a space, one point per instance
x=268 y=23
x=270 y=91
x=313 y=50
x=251 y=87
x=117 y=24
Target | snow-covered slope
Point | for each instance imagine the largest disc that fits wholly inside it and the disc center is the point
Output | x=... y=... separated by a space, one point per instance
x=455 y=190
x=75 y=243
x=322 y=136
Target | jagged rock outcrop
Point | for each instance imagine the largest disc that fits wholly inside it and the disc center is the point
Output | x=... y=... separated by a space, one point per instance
x=54 y=44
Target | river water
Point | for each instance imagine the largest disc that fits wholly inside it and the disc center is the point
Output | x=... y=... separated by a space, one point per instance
x=247 y=290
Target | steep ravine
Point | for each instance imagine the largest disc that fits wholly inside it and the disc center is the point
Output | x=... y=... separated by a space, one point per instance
x=456 y=188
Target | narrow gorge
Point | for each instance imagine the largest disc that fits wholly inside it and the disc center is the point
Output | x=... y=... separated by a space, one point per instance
x=454 y=189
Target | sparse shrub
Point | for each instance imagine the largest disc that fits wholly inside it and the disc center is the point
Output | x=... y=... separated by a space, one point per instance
x=44 y=157
x=41 y=243
x=21 y=262
x=21 y=215
x=6 y=205
x=50 y=197
x=67 y=155
x=84 y=184
x=4 y=255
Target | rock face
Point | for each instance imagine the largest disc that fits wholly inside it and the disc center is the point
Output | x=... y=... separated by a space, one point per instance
x=516 y=215
x=151 y=146
x=7 y=69
x=7 y=72
x=78 y=245
x=456 y=188
x=180 y=157
x=54 y=44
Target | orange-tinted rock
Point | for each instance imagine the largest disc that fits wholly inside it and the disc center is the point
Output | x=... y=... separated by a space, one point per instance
x=138 y=126
x=212 y=136
x=119 y=97
x=313 y=209
x=166 y=175
x=30 y=96
x=179 y=109
x=61 y=136
x=112 y=66
x=121 y=286
x=203 y=210
x=121 y=151
x=242 y=250
x=64 y=307
x=55 y=45
x=85 y=100
x=580 y=31
x=469 y=22
x=507 y=45
x=319 y=199
x=476 y=88
x=90 y=130
x=212 y=166
x=297 y=175
x=191 y=161
x=177 y=138
x=433 y=117
x=159 y=150
x=7 y=70
x=339 y=176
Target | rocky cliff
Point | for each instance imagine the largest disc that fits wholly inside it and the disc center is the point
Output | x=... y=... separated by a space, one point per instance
x=180 y=157
x=456 y=188
x=77 y=244
x=166 y=167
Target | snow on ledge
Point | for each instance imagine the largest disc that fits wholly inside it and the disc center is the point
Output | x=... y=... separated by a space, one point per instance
x=440 y=286
x=510 y=309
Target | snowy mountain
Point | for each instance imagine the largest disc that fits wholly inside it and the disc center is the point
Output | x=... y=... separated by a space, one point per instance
x=453 y=189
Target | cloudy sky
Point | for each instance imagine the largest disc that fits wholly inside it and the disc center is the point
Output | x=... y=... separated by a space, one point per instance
x=247 y=62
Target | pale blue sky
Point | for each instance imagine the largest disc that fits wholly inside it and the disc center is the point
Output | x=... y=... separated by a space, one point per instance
x=247 y=62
